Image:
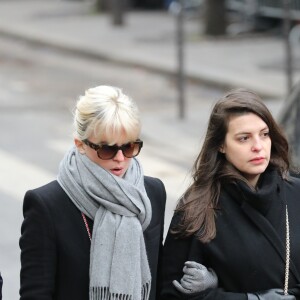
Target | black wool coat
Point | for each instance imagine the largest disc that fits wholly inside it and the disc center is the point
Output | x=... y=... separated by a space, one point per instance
x=248 y=253
x=1 y=283
x=55 y=247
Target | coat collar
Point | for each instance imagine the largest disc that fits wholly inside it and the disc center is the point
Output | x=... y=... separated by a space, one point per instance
x=255 y=203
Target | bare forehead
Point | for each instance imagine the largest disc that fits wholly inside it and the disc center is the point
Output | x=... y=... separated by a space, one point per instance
x=245 y=123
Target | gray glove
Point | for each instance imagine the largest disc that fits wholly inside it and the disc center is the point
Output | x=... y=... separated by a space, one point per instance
x=196 y=278
x=274 y=294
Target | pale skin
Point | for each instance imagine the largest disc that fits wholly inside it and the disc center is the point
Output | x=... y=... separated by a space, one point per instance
x=247 y=145
x=118 y=165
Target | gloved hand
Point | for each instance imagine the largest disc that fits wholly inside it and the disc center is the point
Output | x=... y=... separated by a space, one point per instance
x=196 y=278
x=273 y=294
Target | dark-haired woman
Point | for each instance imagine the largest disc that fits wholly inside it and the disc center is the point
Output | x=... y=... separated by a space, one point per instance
x=239 y=217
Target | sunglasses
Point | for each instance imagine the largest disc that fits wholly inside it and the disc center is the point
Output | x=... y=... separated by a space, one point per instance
x=106 y=152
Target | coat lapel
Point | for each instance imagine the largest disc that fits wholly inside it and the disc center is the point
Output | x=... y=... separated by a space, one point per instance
x=266 y=228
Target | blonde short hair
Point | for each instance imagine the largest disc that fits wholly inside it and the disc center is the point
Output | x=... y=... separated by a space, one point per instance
x=104 y=111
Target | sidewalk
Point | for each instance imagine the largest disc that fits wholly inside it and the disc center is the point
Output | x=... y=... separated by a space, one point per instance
x=149 y=40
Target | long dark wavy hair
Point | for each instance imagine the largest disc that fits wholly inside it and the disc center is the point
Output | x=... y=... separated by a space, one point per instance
x=211 y=169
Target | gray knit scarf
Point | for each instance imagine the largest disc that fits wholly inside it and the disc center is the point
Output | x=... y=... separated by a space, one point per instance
x=121 y=211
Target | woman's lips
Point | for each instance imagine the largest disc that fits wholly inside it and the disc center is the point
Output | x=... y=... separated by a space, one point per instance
x=257 y=160
x=117 y=171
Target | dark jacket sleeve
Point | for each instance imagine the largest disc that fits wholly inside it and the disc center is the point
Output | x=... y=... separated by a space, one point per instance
x=155 y=233
x=162 y=214
x=175 y=253
x=38 y=250
x=1 y=283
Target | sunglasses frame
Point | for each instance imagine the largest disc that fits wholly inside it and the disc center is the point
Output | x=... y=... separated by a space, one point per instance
x=97 y=147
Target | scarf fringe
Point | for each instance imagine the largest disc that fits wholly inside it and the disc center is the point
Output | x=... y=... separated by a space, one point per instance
x=103 y=293
x=146 y=290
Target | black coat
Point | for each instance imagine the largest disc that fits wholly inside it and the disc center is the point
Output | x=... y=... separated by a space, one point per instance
x=1 y=283
x=55 y=247
x=248 y=253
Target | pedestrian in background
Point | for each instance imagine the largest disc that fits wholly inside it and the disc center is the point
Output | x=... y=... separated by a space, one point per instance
x=96 y=232
x=239 y=217
x=1 y=284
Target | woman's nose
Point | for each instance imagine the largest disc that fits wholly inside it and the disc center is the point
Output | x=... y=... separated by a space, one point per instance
x=119 y=156
x=257 y=146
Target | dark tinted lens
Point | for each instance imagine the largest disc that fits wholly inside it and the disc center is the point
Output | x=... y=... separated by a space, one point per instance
x=137 y=146
x=107 y=152
x=130 y=149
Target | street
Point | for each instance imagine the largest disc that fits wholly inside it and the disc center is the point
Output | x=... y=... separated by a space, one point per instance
x=38 y=90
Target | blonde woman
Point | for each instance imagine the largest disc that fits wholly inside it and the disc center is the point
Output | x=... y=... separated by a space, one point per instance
x=96 y=232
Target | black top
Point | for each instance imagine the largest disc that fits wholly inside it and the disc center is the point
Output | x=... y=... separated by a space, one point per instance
x=248 y=253
x=1 y=283
x=55 y=247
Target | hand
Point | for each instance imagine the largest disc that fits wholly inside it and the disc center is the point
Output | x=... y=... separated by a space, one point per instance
x=273 y=294
x=196 y=278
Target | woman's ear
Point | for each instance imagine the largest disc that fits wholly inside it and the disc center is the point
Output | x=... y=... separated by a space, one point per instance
x=221 y=149
x=80 y=145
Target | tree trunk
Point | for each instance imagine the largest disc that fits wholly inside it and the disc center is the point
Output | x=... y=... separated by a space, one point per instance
x=117 y=8
x=215 y=17
x=101 y=5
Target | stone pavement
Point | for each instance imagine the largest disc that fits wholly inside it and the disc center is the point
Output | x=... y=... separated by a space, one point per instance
x=148 y=39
